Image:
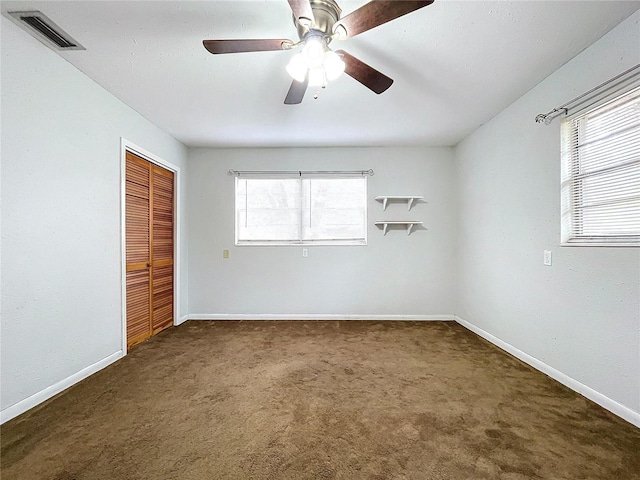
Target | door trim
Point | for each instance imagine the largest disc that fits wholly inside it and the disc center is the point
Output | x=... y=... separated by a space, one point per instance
x=127 y=146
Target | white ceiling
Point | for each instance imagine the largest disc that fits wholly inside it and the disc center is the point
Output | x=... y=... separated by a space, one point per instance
x=456 y=64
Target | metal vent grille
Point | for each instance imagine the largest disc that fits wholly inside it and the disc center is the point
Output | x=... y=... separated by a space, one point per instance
x=41 y=27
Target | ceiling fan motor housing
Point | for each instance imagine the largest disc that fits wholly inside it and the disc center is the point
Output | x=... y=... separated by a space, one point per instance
x=326 y=13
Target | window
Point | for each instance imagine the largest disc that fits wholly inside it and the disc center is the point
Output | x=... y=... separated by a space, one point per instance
x=301 y=210
x=601 y=174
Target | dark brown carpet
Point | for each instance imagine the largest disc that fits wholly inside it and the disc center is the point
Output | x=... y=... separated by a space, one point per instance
x=319 y=400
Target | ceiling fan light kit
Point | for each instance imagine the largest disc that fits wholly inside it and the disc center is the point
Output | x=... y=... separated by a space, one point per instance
x=318 y=22
x=317 y=60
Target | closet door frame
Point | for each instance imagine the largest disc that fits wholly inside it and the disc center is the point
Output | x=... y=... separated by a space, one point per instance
x=127 y=146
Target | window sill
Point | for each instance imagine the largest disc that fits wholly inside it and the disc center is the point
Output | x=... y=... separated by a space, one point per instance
x=346 y=243
x=600 y=244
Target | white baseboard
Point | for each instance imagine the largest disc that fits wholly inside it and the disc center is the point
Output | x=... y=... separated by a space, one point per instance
x=305 y=316
x=618 y=409
x=181 y=320
x=37 y=398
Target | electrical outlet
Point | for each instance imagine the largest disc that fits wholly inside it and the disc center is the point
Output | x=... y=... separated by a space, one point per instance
x=305 y=252
x=225 y=253
x=547 y=257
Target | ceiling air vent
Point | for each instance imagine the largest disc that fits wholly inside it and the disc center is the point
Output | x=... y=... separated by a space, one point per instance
x=41 y=27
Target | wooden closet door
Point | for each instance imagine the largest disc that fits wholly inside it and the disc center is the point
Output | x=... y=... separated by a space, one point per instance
x=162 y=248
x=138 y=237
x=149 y=248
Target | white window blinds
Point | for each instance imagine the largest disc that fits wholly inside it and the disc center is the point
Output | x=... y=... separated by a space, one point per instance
x=601 y=174
x=282 y=211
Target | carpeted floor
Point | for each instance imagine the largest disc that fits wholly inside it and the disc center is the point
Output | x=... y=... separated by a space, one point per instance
x=319 y=400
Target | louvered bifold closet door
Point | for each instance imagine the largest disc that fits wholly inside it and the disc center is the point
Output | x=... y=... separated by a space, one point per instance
x=138 y=238
x=149 y=248
x=162 y=248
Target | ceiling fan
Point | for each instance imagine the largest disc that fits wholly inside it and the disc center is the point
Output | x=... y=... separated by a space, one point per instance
x=318 y=23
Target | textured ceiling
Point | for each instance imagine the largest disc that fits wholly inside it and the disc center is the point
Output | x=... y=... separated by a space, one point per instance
x=455 y=64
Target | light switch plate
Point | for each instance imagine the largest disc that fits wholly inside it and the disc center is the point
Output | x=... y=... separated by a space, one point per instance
x=547 y=258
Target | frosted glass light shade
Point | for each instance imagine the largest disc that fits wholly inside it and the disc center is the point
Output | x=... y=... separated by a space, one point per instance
x=333 y=65
x=313 y=51
x=297 y=67
x=316 y=77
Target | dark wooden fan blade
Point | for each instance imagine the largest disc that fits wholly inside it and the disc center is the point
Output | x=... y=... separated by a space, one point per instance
x=239 y=46
x=302 y=9
x=366 y=75
x=296 y=91
x=376 y=13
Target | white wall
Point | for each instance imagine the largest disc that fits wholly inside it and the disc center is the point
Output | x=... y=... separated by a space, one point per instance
x=61 y=255
x=394 y=274
x=581 y=316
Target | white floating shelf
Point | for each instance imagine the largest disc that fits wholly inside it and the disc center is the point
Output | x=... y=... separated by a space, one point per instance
x=408 y=223
x=410 y=199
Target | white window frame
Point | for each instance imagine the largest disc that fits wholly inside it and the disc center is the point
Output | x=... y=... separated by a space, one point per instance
x=575 y=176
x=359 y=241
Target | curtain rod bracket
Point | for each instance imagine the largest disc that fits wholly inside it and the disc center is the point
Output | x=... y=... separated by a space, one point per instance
x=548 y=117
x=541 y=118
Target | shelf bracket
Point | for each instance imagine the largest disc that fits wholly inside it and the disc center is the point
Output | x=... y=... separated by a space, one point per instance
x=384 y=203
x=385 y=227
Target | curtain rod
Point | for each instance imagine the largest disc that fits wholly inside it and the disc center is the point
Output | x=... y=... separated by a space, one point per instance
x=548 y=117
x=237 y=173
